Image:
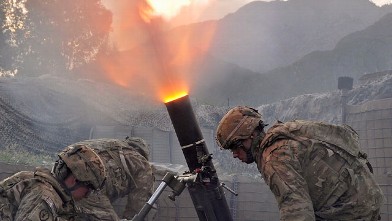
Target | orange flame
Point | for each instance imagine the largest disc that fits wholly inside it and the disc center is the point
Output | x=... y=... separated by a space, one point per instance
x=174 y=96
x=157 y=58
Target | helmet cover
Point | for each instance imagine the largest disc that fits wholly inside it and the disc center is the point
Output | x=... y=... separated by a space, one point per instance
x=237 y=124
x=85 y=165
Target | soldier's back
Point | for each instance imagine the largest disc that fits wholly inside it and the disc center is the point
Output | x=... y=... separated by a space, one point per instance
x=29 y=195
x=338 y=176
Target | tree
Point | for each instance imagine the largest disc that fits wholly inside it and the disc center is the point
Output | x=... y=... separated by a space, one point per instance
x=12 y=18
x=58 y=35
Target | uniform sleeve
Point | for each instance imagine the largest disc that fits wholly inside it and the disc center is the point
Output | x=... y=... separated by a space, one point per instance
x=96 y=207
x=142 y=174
x=33 y=208
x=283 y=173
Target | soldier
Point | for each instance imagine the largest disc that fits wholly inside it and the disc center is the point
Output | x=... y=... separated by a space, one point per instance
x=315 y=170
x=129 y=174
x=46 y=195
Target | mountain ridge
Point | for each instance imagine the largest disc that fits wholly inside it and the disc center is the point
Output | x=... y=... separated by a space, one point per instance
x=262 y=36
x=361 y=52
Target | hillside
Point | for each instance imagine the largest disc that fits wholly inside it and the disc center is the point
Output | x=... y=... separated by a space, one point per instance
x=262 y=35
x=361 y=52
x=365 y=51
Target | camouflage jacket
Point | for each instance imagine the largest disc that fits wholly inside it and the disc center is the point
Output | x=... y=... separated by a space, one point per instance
x=129 y=174
x=31 y=196
x=317 y=171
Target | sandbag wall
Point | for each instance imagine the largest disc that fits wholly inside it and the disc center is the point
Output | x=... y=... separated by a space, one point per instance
x=373 y=122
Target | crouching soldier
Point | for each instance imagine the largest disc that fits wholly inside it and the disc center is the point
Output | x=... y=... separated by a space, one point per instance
x=46 y=195
x=315 y=170
x=129 y=174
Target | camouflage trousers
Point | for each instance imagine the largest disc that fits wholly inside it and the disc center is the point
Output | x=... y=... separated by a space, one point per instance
x=373 y=216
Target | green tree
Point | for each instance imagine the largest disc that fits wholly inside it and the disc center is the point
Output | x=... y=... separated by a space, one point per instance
x=59 y=36
x=12 y=19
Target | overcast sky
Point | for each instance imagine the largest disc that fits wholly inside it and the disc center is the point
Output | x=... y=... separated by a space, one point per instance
x=209 y=9
x=220 y=8
x=185 y=11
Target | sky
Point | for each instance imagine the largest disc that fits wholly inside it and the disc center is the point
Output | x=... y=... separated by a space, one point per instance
x=219 y=8
x=213 y=9
x=179 y=12
x=201 y=9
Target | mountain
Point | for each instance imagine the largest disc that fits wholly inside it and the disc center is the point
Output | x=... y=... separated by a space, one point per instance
x=262 y=36
x=265 y=34
x=365 y=51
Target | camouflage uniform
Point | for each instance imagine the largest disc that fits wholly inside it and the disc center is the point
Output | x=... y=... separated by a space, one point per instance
x=316 y=171
x=129 y=174
x=34 y=196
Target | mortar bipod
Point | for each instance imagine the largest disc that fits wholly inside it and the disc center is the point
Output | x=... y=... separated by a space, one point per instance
x=177 y=184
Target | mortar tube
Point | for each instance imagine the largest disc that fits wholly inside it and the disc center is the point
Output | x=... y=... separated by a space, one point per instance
x=187 y=130
x=209 y=200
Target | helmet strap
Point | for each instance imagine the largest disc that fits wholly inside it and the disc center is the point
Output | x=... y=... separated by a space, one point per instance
x=257 y=137
x=249 y=156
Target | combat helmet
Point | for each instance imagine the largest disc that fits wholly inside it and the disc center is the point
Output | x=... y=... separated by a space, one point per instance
x=84 y=164
x=237 y=124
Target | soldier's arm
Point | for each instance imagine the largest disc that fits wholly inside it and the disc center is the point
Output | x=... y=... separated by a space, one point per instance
x=283 y=173
x=144 y=179
x=33 y=207
x=96 y=207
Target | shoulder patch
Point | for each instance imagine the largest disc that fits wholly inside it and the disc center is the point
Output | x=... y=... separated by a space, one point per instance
x=50 y=203
x=44 y=215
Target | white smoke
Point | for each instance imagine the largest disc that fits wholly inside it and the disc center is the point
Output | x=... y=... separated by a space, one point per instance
x=381 y=2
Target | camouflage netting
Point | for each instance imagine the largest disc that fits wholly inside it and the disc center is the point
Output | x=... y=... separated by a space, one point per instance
x=40 y=119
x=45 y=114
x=327 y=106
